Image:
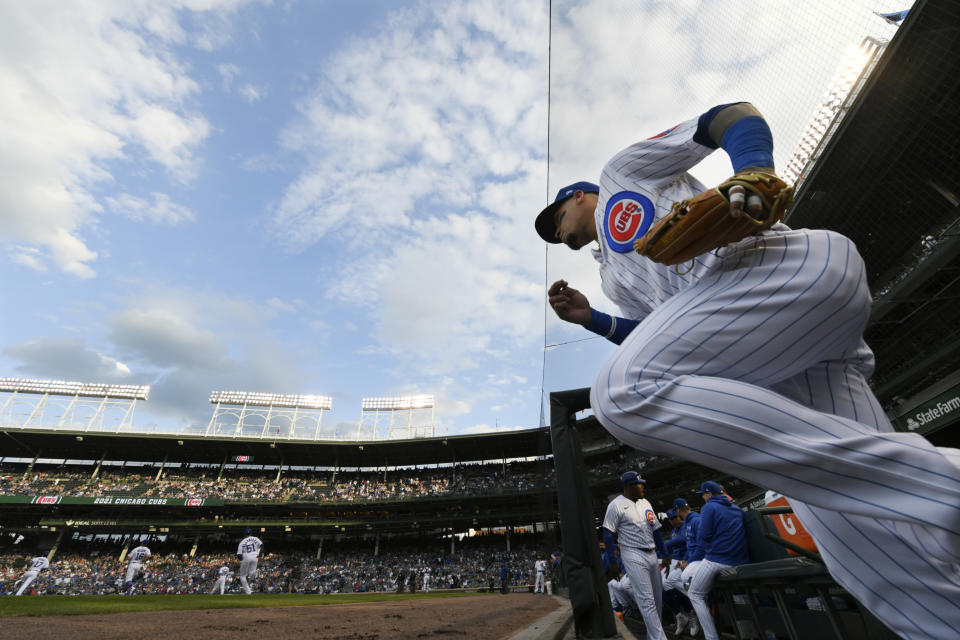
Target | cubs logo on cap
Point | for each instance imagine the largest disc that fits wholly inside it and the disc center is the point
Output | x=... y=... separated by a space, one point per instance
x=626 y=217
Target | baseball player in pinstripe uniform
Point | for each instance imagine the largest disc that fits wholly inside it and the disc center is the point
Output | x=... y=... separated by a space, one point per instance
x=631 y=523
x=36 y=565
x=751 y=360
x=135 y=569
x=249 y=551
x=221 y=582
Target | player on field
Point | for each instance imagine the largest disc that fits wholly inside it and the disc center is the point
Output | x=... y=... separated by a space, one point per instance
x=540 y=570
x=222 y=578
x=36 y=565
x=249 y=552
x=138 y=558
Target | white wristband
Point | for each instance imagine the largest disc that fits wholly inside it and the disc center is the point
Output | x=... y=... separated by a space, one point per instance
x=613 y=327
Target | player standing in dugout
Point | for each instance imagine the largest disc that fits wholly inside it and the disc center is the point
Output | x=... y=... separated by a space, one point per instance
x=749 y=358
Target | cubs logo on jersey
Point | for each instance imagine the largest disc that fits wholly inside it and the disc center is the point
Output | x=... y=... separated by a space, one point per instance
x=651 y=518
x=627 y=217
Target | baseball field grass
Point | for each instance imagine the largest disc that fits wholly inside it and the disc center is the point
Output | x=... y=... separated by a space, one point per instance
x=80 y=605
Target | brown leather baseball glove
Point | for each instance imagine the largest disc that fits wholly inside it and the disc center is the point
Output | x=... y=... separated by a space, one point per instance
x=705 y=222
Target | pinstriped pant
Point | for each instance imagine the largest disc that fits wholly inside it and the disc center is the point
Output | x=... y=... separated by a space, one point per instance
x=759 y=370
x=644 y=572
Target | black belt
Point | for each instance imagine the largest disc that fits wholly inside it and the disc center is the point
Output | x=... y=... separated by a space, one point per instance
x=651 y=549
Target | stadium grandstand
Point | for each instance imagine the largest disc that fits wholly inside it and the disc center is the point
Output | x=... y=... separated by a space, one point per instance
x=94 y=494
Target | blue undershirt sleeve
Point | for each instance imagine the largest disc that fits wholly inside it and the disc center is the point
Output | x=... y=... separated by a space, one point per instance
x=702 y=134
x=609 y=541
x=612 y=328
x=658 y=543
x=748 y=141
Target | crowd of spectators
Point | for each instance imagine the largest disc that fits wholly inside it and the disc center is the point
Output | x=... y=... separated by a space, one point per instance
x=253 y=485
x=175 y=572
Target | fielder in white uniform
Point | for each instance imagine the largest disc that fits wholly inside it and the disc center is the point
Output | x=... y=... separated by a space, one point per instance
x=249 y=551
x=751 y=360
x=221 y=582
x=631 y=519
x=426 y=579
x=37 y=565
x=137 y=557
x=540 y=571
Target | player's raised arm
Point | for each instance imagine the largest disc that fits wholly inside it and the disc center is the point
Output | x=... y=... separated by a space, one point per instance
x=740 y=130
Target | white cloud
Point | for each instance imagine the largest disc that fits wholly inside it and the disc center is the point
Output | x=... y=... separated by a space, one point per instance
x=428 y=137
x=161 y=210
x=251 y=93
x=228 y=72
x=187 y=343
x=66 y=359
x=29 y=257
x=87 y=84
x=279 y=305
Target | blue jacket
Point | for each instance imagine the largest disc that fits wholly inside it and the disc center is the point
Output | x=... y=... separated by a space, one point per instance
x=677 y=545
x=722 y=533
x=691 y=524
x=609 y=558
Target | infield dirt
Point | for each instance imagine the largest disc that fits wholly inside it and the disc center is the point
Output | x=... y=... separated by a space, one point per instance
x=475 y=618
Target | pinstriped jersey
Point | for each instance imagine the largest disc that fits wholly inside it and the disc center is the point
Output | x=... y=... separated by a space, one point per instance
x=633 y=522
x=249 y=547
x=637 y=187
x=38 y=564
x=139 y=554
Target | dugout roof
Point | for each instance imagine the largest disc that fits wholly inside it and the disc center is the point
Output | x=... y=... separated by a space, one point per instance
x=890 y=180
x=214 y=450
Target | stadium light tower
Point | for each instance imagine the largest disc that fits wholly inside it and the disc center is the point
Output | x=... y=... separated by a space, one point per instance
x=405 y=416
x=844 y=88
x=267 y=415
x=73 y=406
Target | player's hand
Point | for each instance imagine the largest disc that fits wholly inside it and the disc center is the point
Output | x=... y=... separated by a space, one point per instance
x=740 y=201
x=569 y=304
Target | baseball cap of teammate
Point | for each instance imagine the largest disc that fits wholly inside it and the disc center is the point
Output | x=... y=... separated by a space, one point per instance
x=710 y=487
x=631 y=477
x=679 y=503
x=544 y=223
x=671 y=514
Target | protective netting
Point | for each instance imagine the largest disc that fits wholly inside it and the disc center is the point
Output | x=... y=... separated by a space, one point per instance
x=623 y=71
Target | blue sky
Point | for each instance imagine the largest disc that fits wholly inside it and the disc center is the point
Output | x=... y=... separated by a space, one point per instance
x=336 y=197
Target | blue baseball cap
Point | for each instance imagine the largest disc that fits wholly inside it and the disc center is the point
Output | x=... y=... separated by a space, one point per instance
x=631 y=477
x=679 y=503
x=710 y=487
x=544 y=223
x=671 y=513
